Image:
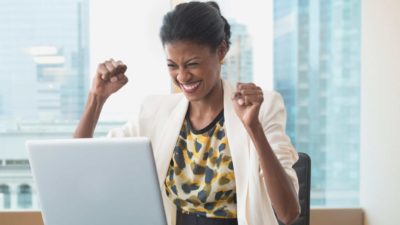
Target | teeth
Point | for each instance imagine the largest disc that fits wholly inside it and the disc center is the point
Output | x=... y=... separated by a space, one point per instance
x=191 y=86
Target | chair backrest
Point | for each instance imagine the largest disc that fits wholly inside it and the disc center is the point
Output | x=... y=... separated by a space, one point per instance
x=303 y=170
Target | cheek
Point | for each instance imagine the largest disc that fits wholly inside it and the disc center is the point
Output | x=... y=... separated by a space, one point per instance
x=214 y=67
x=213 y=72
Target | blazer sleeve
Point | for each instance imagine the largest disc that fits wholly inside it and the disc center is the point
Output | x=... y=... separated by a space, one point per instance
x=138 y=125
x=129 y=129
x=274 y=123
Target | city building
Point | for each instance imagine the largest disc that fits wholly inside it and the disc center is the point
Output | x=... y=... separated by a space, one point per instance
x=44 y=66
x=17 y=188
x=238 y=64
x=317 y=71
x=44 y=57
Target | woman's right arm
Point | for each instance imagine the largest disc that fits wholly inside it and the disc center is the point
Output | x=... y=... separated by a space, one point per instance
x=110 y=77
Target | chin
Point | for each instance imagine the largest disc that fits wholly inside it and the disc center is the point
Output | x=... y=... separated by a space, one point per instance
x=192 y=98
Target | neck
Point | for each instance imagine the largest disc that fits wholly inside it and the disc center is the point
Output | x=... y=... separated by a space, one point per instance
x=212 y=104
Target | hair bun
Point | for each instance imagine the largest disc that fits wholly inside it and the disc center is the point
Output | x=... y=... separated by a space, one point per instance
x=227 y=27
x=214 y=5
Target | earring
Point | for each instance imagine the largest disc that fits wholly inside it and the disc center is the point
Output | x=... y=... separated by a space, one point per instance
x=222 y=61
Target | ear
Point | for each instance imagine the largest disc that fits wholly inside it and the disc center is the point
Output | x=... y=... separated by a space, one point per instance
x=222 y=50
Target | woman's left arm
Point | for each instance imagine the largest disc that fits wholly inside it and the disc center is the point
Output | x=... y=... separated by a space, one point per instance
x=247 y=102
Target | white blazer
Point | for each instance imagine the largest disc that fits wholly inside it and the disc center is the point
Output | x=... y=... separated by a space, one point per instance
x=161 y=119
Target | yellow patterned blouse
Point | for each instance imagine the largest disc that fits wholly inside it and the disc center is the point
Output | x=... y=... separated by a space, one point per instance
x=200 y=176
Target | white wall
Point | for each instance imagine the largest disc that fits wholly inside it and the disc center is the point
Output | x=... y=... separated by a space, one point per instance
x=128 y=31
x=380 y=112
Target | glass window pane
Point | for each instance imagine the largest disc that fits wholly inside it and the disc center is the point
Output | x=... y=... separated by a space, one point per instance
x=4 y=196
x=24 y=197
x=317 y=70
x=46 y=74
x=44 y=66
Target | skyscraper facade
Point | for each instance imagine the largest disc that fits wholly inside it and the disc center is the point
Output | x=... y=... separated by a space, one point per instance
x=43 y=59
x=317 y=71
x=238 y=65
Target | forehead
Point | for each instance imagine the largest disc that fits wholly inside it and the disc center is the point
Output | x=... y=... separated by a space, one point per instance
x=181 y=50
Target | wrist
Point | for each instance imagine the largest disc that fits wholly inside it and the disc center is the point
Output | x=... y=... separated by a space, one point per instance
x=258 y=137
x=254 y=127
x=96 y=99
x=97 y=96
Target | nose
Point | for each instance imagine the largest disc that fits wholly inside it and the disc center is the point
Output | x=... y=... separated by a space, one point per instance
x=184 y=75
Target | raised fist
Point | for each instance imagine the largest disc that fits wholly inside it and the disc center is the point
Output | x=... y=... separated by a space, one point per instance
x=110 y=77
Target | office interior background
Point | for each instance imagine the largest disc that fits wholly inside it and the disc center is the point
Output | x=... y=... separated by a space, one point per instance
x=308 y=50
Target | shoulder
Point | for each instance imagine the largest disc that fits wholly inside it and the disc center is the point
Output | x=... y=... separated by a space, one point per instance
x=271 y=97
x=273 y=106
x=272 y=100
x=154 y=111
x=161 y=103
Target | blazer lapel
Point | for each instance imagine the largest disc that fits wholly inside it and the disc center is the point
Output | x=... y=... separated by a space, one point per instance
x=169 y=136
x=239 y=147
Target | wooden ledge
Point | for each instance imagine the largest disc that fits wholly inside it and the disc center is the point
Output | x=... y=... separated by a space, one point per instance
x=319 y=216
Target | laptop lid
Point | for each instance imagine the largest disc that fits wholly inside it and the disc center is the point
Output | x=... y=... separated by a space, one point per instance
x=96 y=181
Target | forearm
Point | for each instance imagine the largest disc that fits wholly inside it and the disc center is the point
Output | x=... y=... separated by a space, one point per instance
x=90 y=116
x=280 y=188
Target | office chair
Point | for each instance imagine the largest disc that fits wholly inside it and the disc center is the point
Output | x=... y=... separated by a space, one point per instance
x=303 y=170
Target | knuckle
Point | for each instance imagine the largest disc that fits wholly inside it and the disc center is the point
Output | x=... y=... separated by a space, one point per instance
x=125 y=80
x=100 y=66
x=108 y=64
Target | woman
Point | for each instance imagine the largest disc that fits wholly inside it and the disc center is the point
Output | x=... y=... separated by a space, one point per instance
x=221 y=152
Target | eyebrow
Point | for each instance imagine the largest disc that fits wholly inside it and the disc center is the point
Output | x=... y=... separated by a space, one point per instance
x=169 y=60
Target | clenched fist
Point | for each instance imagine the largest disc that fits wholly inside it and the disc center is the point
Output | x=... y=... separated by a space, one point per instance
x=110 y=77
x=247 y=101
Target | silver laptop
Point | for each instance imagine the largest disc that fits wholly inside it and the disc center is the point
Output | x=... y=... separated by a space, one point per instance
x=97 y=181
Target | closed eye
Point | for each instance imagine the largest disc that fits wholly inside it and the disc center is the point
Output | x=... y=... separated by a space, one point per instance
x=171 y=66
x=192 y=64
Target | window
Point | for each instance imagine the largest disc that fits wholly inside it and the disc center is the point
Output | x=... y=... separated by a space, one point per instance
x=46 y=74
x=50 y=51
x=44 y=62
x=322 y=95
x=4 y=197
x=24 y=197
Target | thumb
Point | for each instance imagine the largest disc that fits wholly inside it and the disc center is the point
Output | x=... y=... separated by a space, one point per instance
x=238 y=98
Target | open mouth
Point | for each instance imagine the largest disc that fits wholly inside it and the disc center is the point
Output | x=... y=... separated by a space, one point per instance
x=191 y=87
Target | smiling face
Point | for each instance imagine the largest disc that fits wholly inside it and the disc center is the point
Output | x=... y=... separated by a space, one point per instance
x=195 y=68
